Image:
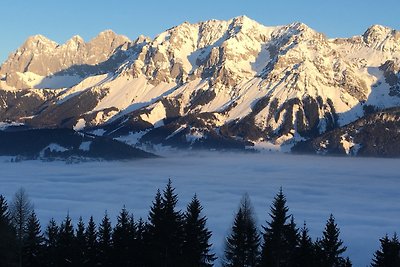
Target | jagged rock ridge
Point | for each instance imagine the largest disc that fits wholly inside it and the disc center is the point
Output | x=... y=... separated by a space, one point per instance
x=218 y=84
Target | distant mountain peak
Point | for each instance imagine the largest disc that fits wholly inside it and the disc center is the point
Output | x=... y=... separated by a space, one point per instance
x=44 y=57
x=74 y=42
x=110 y=35
x=300 y=26
x=38 y=40
x=378 y=29
x=244 y=20
x=77 y=39
x=382 y=38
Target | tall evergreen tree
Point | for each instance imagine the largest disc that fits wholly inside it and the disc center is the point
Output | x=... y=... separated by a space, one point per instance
x=389 y=253
x=133 y=241
x=242 y=245
x=67 y=244
x=8 y=242
x=33 y=243
x=121 y=237
x=165 y=229
x=51 y=244
x=141 y=245
x=20 y=210
x=305 y=253
x=80 y=241
x=278 y=237
x=105 y=242
x=91 y=244
x=331 y=246
x=292 y=239
x=197 y=247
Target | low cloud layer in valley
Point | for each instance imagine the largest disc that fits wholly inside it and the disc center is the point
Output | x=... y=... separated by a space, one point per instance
x=362 y=193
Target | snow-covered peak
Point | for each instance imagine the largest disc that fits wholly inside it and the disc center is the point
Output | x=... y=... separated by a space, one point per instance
x=245 y=21
x=247 y=25
x=382 y=38
x=300 y=26
x=298 y=29
x=228 y=52
x=208 y=32
x=377 y=31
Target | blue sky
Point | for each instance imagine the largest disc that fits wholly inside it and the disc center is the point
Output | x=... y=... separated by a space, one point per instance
x=59 y=20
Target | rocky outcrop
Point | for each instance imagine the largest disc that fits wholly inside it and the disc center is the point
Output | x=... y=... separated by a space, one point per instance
x=374 y=135
x=391 y=72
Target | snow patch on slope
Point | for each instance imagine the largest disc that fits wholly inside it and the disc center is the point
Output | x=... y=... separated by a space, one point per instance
x=85 y=84
x=349 y=146
x=5 y=125
x=85 y=146
x=81 y=123
x=50 y=82
x=129 y=94
x=55 y=148
x=156 y=115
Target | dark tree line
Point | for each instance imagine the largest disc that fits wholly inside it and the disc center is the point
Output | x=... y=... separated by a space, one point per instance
x=281 y=243
x=172 y=238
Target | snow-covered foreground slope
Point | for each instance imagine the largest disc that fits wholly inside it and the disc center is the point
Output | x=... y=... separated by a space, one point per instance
x=361 y=193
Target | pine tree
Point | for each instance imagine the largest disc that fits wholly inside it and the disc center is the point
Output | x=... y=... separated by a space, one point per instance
x=8 y=241
x=278 y=237
x=51 y=244
x=165 y=229
x=389 y=253
x=20 y=210
x=173 y=223
x=80 y=241
x=196 y=249
x=91 y=243
x=242 y=245
x=154 y=233
x=305 y=252
x=105 y=242
x=122 y=239
x=33 y=243
x=67 y=244
x=331 y=246
x=133 y=241
x=292 y=239
x=141 y=245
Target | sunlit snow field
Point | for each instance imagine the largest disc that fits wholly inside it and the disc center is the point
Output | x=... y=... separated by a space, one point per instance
x=363 y=194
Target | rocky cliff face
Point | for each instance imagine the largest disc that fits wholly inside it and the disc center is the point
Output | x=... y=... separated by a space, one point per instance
x=41 y=57
x=229 y=83
x=373 y=135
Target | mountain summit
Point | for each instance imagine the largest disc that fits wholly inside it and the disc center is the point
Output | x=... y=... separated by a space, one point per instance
x=215 y=84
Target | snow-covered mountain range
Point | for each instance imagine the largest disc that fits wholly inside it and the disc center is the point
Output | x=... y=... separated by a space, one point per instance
x=214 y=84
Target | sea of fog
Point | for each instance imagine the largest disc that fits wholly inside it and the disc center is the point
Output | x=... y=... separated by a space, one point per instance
x=362 y=193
